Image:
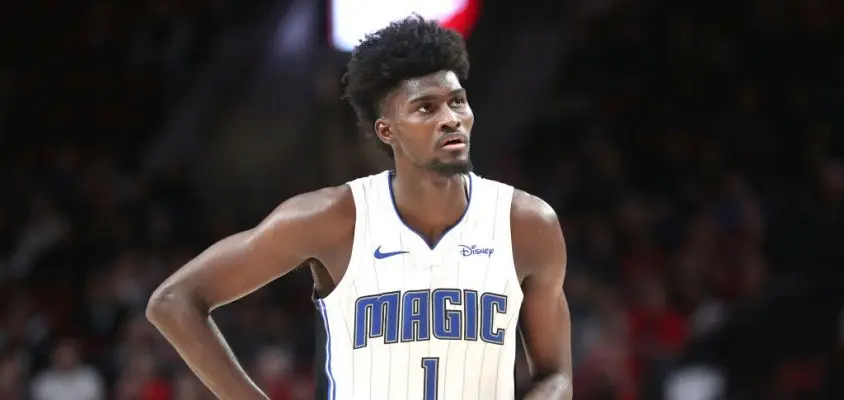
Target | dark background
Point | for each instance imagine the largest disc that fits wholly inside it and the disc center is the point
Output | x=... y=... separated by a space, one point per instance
x=693 y=152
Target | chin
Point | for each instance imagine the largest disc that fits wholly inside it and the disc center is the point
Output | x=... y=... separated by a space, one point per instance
x=451 y=168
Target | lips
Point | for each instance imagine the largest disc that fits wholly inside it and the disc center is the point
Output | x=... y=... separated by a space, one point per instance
x=454 y=141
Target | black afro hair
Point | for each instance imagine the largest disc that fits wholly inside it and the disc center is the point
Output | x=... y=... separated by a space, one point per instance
x=405 y=49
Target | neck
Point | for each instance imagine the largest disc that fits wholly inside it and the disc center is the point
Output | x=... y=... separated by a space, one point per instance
x=427 y=201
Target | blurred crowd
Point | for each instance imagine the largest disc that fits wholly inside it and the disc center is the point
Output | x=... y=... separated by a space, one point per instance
x=692 y=154
x=85 y=234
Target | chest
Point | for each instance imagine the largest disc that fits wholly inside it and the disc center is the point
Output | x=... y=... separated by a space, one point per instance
x=459 y=292
x=463 y=258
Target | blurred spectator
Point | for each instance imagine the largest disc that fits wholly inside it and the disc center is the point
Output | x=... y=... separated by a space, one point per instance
x=695 y=383
x=68 y=377
x=188 y=387
x=14 y=374
x=273 y=373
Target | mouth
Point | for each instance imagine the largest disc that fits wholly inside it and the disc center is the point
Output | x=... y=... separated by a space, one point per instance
x=454 y=141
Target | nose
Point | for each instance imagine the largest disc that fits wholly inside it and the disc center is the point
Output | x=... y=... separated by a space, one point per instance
x=449 y=120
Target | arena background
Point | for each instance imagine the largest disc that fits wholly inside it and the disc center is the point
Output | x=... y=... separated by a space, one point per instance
x=693 y=152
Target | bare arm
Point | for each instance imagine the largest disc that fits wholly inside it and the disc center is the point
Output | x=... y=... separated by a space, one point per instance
x=540 y=250
x=180 y=308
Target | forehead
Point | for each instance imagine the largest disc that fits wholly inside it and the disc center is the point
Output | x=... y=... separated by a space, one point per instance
x=440 y=83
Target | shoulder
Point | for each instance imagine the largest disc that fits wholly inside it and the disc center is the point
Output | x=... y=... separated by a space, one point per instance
x=329 y=202
x=529 y=213
x=537 y=237
x=525 y=208
x=321 y=216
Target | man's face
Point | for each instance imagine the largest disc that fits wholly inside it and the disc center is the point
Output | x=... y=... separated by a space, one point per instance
x=428 y=121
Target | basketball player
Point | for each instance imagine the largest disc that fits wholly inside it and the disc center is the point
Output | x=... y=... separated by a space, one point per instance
x=421 y=274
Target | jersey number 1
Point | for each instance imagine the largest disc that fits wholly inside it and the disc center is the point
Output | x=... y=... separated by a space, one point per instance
x=431 y=367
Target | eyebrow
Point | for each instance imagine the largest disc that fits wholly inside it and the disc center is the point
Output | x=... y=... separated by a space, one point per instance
x=429 y=97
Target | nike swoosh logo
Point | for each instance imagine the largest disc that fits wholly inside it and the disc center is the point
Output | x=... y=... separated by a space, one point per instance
x=379 y=255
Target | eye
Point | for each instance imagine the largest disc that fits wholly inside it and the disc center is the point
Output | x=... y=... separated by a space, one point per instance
x=426 y=108
x=458 y=101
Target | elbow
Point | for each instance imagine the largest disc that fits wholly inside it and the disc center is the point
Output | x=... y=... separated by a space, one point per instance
x=563 y=383
x=157 y=306
x=167 y=303
x=557 y=385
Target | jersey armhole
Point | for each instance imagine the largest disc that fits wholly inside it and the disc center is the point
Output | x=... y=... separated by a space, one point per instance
x=506 y=210
x=359 y=197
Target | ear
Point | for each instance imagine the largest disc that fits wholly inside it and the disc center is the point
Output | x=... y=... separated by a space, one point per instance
x=384 y=131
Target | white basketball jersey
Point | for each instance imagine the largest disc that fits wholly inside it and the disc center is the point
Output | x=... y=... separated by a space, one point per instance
x=410 y=321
